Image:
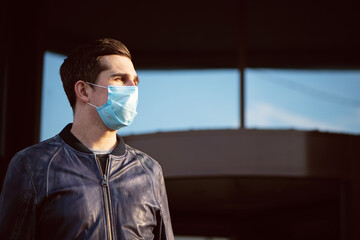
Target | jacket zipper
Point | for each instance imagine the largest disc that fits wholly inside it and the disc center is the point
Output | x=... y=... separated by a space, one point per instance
x=105 y=190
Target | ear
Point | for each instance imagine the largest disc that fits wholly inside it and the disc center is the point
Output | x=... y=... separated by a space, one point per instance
x=82 y=91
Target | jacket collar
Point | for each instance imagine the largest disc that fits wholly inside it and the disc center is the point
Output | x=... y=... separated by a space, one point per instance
x=73 y=142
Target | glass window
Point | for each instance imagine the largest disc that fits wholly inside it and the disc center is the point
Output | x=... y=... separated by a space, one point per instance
x=55 y=108
x=186 y=100
x=181 y=100
x=175 y=100
x=325 y=100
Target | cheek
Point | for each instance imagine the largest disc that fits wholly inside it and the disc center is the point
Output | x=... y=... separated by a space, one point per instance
x=100 y=98
x=103 y=98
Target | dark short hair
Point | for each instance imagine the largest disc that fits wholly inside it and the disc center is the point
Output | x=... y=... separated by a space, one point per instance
x=84 y=63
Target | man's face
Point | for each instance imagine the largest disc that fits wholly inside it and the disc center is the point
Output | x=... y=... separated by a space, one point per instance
x=120 y=72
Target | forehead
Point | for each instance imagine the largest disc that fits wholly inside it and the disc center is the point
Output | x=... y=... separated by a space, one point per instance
x=118 y=64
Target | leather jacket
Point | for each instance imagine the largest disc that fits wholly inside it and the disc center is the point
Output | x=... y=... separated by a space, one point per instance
x=56 y=190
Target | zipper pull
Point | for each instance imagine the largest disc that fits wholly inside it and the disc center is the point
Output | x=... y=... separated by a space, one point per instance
x=104 y=181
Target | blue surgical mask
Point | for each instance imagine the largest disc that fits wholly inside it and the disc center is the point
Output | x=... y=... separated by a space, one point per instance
x=120 y=109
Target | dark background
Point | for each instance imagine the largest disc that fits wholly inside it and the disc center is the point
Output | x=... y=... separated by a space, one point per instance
x=203 y=34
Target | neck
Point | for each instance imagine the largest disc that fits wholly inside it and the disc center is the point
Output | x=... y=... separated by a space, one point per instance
x=93 y=135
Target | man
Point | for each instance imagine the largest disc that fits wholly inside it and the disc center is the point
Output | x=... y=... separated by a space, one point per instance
x=85 y=182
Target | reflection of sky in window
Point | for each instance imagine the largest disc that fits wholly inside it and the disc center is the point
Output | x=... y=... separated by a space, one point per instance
x=186 y=100
x=55 y=108
x=303 y=99
x=181 y=100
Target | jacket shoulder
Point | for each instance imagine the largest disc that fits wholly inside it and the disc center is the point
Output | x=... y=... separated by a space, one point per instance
x=42 y=152
x=149 y=163
x=31 y=163
x=36 y=158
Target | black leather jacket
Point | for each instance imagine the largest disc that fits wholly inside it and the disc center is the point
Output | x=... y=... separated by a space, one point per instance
x=56 y=190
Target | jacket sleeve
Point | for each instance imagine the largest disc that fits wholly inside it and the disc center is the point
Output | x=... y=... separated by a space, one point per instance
x=164 y=229
x=17 y=202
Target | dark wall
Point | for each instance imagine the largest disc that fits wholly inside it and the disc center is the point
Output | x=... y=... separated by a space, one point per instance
x=21 y=68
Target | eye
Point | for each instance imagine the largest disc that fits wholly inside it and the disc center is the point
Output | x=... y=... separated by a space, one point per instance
x=120 y=79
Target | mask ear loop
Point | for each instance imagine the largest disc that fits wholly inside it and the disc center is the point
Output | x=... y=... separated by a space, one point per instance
x=95 y=86
x=92 y=105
